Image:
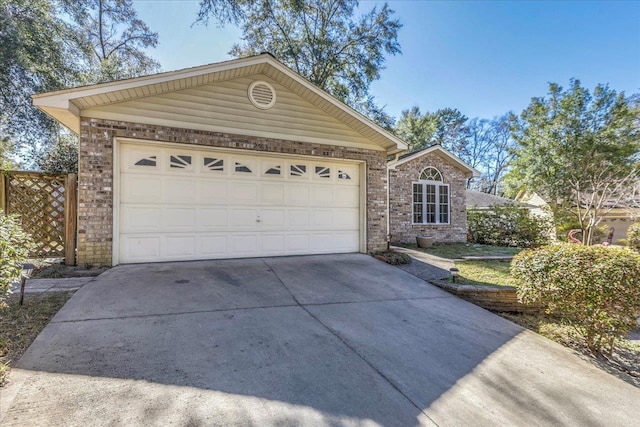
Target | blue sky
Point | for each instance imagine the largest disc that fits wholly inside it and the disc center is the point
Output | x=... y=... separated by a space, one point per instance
x=483 y=57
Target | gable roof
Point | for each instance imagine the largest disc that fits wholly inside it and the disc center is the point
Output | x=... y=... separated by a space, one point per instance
x=66 y=105
x=407 y=157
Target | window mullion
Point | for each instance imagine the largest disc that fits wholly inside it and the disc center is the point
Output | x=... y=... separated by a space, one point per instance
x=424 y=203
x=437 y=204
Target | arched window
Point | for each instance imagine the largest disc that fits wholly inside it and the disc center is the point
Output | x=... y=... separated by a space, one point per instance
x=430 y=198
x=430 y=174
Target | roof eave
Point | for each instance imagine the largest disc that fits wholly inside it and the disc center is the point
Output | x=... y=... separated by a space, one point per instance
x=471 y=171
x=55 y=103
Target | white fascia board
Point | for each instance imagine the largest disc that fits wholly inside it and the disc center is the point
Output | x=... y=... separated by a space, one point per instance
x=58 y=98
x=395 y=163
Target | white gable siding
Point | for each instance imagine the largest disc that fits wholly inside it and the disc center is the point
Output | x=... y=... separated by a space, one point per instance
x=225 y=107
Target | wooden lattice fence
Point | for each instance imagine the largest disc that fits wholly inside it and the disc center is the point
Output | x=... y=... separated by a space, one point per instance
x=46 y=204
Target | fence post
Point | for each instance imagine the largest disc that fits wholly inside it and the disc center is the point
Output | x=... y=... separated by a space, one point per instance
x=70 y=206
x=3 y=192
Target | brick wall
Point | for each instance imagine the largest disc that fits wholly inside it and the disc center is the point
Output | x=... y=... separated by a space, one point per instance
x=95 y=176
x=400 y=199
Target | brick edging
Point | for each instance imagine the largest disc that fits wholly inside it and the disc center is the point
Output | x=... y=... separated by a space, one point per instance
x=503 y=298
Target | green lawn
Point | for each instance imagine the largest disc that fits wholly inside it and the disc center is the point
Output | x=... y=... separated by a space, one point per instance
x=458 y=250
x=486 y=273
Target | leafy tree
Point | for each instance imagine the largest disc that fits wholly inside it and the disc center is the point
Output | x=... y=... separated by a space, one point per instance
x=113 y=39
x=54 y=44
x=36 y=51
x=447 y=127
x=415 y=128
x=319 y=39
x=7 y=152
x=578 y=150
x=61 y=157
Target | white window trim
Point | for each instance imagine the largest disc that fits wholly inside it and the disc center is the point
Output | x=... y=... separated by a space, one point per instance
x=437 y=184
x=431 y=167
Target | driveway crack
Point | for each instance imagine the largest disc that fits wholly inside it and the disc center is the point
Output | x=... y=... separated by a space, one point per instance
x=349 y=346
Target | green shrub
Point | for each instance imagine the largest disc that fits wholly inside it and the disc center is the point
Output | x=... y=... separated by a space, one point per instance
x=507 y=226
x=15 y=246
x=595 y=289
x=633 y=236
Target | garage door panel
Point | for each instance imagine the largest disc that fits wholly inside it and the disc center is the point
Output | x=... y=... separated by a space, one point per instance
x=140 y=248
x=243 y=218
x=322 y=243
x=272 y=244
x=212 y=246
x=272 y=194
x=321 y=196
x=322 y=218
x=346 y=240
x=347 y=196
x=140 y=189
x=179 y=218
x=298 y=217
x=141 y=218
x=297 y=243
x=346 y=219
x=243 y=192
x=214 y=208
x=212 y=192
x=272 y=218
x=212 y=218
x=179 y=190
x=297 y=194
x=182 y=247
x=243 y=245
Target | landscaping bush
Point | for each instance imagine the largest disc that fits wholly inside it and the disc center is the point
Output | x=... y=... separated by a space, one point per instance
x=507 y=226
x=15 y=246
x=594 y=289
x=393 y=257
x=633 y=236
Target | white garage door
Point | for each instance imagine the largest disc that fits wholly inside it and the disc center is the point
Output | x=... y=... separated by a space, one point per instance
x=181 y=203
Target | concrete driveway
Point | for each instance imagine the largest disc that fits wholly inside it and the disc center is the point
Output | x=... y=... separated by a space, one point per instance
x=317 y=340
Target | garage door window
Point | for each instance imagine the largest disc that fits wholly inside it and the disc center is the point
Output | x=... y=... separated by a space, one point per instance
x=242 y=168
x=147 y=161
x=213 y=164
x=298 y=170
x=323 y=172
x=180 y=162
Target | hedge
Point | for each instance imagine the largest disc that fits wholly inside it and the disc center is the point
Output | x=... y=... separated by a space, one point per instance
x=595 y=289
x=633 y=236
x=507 y=226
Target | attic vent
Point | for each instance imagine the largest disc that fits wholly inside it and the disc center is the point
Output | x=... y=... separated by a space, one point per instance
x=262 y=95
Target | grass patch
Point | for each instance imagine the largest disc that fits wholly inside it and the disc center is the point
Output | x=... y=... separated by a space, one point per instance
x=20 y=325
x=624 y=362
x=485 y=273
x=458 y=250
x=53 y=269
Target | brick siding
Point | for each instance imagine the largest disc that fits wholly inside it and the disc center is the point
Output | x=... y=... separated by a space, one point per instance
x=401 y=228
x=95 y=176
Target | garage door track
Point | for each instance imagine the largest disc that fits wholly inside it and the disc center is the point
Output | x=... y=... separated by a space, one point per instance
x=315 y=340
